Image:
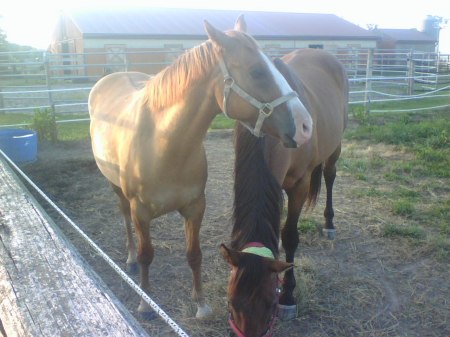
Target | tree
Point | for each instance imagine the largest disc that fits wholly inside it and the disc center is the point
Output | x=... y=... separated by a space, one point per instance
x=3 y=41
x=3 y=48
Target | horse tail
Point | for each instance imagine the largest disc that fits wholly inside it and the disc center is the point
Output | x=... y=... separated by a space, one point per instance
x=314 y=186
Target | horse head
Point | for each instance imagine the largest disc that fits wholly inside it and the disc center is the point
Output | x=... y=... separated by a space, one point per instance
x=253 y=290
x=250 y=89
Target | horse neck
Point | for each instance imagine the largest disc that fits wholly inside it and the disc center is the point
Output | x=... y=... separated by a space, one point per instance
x=180 y=99
x=258 y=197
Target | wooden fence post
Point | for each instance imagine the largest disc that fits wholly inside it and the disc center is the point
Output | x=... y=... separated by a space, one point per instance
x=54 y=134
x=2 y=105
x=369 y=71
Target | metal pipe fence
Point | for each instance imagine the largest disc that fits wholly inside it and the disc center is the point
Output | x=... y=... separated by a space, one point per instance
x=61 y=82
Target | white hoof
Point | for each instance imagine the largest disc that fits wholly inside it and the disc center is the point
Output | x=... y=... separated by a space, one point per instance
x=287 y=312
x=329 y=233
x=203 y=311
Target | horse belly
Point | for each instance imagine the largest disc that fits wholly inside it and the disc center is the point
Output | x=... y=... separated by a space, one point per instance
x=165 y=198
x=114 y=106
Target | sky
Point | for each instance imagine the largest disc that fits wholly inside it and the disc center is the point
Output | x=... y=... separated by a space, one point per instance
x=32 y=22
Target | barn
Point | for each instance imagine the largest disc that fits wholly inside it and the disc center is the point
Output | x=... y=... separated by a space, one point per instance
x=130 y=38
x=406 y=39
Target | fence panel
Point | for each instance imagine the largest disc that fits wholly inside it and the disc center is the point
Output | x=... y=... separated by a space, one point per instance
x=37 y=80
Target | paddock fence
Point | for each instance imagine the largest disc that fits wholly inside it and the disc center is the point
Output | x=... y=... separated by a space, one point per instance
x=61 y=82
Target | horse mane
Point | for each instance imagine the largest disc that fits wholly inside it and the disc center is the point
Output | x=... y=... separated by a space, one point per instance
x=170 y=84
x=258 y=197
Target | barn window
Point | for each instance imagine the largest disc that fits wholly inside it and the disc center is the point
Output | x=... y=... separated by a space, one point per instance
x=116 y=59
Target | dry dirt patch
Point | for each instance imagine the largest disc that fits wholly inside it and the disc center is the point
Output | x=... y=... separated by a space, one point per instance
x=358 y=285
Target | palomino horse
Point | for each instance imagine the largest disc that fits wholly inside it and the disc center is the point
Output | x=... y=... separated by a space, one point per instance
x=147 y=134
x=321 y=83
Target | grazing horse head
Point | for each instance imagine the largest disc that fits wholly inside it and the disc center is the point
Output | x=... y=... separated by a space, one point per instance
x=253 y=286
x=254 y=92
x=253 y=290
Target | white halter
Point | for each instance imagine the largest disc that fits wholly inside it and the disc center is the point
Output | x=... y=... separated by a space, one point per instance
x=265 y=109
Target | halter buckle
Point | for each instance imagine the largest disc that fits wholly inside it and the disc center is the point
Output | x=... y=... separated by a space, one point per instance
x=266 y=109
x=228 y=81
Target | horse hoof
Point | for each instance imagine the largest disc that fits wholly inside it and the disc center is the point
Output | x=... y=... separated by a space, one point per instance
x=287 y=312
x=132 y=268
x=329 y=233
x=148 y=315
x=203 y=311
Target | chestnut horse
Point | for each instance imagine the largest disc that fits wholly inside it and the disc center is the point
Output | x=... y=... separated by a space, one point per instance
x=263 y=167
x=147 y=134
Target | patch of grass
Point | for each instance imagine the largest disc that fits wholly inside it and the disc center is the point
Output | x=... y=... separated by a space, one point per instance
x=406 y=193
x=357 y=167
x=16 y=118
x=413 y=231
x=438 y=216
x=376 y=162
x=440 y=246
x=359 y=114
x=80 y=130
x=368 y=192
x=221 y=122
x=426 y=136
x=73 y=131
x=307 y=225
x=403 y=207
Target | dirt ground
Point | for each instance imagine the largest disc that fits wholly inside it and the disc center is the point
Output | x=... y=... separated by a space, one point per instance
x=361 y=284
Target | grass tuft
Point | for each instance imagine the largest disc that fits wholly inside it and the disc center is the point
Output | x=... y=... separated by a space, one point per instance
x=413 y=231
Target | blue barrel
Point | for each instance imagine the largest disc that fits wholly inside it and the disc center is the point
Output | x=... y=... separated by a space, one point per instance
x=18 y=144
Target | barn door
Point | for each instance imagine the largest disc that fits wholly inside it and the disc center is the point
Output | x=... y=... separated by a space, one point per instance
x=116 y=58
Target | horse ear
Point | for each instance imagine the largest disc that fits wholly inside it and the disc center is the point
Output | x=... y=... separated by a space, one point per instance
x=240 y=24
x=217 y=36
x=276 y=266
x=231 y=256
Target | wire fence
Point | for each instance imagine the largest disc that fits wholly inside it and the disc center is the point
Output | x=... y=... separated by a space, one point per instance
x=162 y=314
x=61 y=82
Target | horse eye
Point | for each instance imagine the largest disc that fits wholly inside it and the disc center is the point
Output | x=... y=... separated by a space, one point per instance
x=258 y=73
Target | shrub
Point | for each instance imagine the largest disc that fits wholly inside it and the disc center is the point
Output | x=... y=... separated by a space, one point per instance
x=44 y=124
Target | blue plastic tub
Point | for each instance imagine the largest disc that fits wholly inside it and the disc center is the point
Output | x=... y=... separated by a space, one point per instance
x=18 y=144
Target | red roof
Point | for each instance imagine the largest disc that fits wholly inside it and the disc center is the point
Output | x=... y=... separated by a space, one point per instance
x=151 y=22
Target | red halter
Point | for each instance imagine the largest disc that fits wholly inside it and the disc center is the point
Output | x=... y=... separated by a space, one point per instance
x=273 y=320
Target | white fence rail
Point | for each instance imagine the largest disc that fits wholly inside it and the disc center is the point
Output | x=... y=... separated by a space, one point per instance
x=61 y=82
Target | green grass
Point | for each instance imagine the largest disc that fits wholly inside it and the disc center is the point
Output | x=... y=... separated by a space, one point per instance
x=413 y=231
x=413 y=185
x=80 y=130
x=66 y=131
x=306 y=225
x=73 y=131
x=427 y=136
x=222 y=122
x=403 y=207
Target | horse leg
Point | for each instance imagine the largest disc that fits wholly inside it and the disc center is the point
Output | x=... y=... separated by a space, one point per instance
x=329 y=174
x=193 y=216
x=124 y=204
x=290 y=240
x=141 y=219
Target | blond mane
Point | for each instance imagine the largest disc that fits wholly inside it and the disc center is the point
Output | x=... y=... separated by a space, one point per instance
x=169 y=85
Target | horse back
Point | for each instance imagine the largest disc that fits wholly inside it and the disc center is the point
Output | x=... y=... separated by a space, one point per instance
x=115 y=106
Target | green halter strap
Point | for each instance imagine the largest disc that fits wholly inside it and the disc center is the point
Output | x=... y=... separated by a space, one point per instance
x=259 y=249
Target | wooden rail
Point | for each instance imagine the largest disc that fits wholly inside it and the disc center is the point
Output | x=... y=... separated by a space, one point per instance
x=46 y=288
